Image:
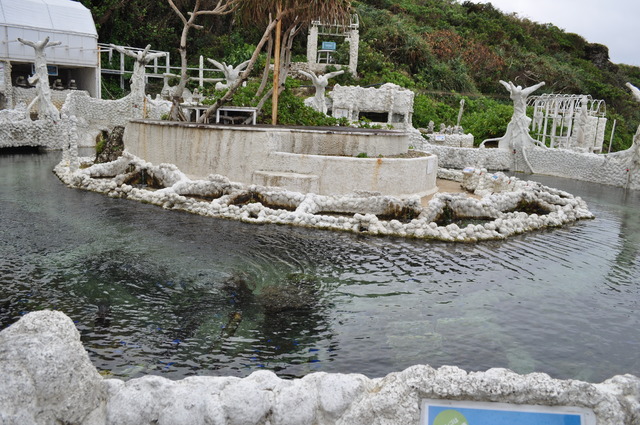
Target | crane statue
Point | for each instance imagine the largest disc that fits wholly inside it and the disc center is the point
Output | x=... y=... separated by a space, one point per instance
x=320 y=82
x=231 y=73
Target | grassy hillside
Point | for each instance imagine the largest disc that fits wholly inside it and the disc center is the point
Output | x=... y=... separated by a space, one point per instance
x=444 y=50
x=446 y=46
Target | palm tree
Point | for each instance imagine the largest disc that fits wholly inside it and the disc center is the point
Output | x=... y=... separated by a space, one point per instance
x=294 y=15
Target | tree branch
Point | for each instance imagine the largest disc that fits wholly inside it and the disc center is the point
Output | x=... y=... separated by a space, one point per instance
x=175 y=9
x=265 y=73
x=213 y=108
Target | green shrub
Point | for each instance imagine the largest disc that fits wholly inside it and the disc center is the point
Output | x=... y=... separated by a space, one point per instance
x=111 y=88
x=489 y=123
x=293 y=111
x=101 y=142
x=426 y=108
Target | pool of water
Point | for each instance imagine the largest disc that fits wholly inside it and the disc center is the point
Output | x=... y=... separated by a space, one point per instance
x=163 y=292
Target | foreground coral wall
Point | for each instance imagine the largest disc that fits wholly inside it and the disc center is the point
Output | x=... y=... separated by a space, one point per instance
x=48 y=378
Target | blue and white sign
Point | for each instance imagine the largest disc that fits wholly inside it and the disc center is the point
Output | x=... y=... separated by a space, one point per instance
x=447 y=412
x=328 y=45
x=51 y=70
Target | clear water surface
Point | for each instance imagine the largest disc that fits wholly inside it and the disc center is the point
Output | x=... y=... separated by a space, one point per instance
x=163 y=292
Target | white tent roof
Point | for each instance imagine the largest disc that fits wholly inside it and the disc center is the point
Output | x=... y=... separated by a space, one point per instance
x=66 y=21
x=59 y=15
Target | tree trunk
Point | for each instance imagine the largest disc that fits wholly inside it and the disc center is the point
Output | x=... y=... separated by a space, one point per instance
x=179 y=89
x=243 y=77
x=285 y=58
x=267 y=65
x=276 y=72
x=266 y=96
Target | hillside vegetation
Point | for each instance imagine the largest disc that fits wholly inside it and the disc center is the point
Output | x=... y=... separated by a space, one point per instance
x=444 y=50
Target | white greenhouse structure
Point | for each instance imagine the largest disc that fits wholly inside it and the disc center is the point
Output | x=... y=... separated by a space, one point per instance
x=72 y=64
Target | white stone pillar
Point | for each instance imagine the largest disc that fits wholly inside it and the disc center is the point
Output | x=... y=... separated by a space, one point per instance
x=67 y=143
x=354 y=44
x=74 y=164
x=312 y=45
x=6 y=86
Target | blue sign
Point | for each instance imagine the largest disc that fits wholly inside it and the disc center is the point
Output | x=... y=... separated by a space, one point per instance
x=446 y=412
x=328 y=45
x=51 y=70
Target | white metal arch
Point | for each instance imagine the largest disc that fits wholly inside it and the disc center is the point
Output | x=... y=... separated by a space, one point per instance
x=559 y=121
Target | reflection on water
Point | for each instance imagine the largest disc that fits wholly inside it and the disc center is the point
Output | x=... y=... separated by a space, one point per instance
x=161 y=292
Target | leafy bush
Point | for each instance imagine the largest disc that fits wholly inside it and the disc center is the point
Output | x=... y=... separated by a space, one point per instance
x=489 y=123
x=427 y=109
x=111 y=88
x=293 y=111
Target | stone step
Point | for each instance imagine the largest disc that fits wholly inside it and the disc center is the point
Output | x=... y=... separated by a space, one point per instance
x=305 y=183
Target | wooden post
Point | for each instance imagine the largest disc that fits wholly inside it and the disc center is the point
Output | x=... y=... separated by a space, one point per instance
x=276 y=69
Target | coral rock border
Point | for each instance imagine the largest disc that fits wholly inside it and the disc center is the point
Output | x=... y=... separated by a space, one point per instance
x=503 y=206
x=48 y=378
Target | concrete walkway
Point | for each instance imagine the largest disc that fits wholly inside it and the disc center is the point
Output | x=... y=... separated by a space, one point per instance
x=446 y=186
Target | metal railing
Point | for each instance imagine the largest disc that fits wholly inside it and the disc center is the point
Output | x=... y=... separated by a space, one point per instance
x=159 y=68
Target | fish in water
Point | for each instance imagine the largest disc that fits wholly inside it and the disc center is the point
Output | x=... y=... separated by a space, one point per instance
x=102 y=315
x=235 y=317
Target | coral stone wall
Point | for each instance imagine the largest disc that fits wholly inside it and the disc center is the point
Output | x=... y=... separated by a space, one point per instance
x=491 y=159
x=621 y=169
x=26 y=95
x=395 y=101
x=49 y=379
x=453 y=140
x=95 y=115
x=20 y=131
x=614 y=170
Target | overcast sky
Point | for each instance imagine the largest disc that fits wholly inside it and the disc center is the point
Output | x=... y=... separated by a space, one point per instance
x=614 y=23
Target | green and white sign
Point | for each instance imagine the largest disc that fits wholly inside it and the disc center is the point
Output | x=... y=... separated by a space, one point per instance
x=449 y=412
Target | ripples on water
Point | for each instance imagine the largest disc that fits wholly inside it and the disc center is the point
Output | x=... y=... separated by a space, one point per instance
x=156 y=292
